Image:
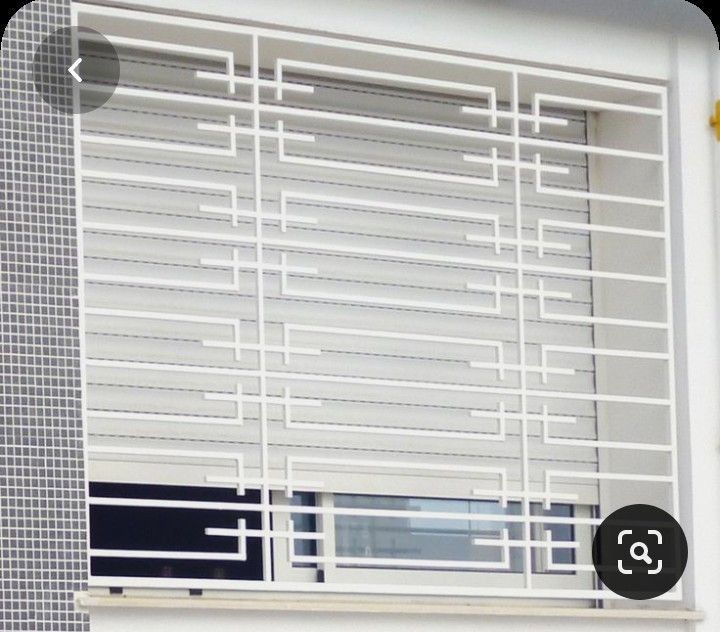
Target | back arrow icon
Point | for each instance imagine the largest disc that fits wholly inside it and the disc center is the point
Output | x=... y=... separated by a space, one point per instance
x=72 y=68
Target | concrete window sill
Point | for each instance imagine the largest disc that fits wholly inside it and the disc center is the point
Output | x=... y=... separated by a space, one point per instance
x=362 y=604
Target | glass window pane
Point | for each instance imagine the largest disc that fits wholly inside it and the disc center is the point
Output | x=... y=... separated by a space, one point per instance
x=425 y=538
x=172 y=529
x=559 y=533
x=304 y=523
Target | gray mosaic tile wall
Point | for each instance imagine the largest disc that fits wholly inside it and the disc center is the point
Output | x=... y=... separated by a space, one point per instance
x=42 y=498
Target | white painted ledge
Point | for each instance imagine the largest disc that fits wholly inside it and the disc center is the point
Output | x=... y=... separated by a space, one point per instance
x=280 y=602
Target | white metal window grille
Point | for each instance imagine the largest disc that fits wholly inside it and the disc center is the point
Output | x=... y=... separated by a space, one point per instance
x=347 y=268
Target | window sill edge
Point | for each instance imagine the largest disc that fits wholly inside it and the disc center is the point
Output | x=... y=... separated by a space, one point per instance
x=360 y=604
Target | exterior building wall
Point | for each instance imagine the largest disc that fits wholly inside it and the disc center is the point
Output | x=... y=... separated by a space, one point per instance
x=42 y=489
x=42 y=493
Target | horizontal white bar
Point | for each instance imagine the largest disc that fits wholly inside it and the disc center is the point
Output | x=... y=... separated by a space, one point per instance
x=571 y=568
x=405 y=172
x=535 y=544
x=587 y=104
x=398 y=562
x=441 y=386
x=377 y=252
x=142 y=451
x=142 y=280
x=613 y=445
x=168 y=232
x=516 y=164
x=525 y=291
x=394 y=79
x=165 y=95
x=611 y=476
x=270 y=533
x=410 y=589
x=599 y=397
x=179 y=183
x=266 y=215
x=343 y=201
x=600 y=228
x=168 y=316
x=236 y=104
x=594 y=274
x=163 y=417
x=270 y=399
x=522 y=367
x=503 y=114
x=601 y=320
x=401 y=432
x=406 y=466
x=155 y=145
x=488 y=414
x=618 y=353
x=250 y=81
x=169 y=555
x=385 y=123
x=251 y=131
x=598 y=197
x=548 y=496
x=252 y=265
x=256 y=347
x=395 y=335
x=268 y=481
x=388 y=253
x=154 y=45
x=391 y=302
x=591 y=149
x=344 y=511
x=511 y=241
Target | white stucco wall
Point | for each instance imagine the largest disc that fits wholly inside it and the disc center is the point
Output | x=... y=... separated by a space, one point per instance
x=139 y=620
x=629 y=37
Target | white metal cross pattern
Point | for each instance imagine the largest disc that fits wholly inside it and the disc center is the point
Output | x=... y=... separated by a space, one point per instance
x=361 y=270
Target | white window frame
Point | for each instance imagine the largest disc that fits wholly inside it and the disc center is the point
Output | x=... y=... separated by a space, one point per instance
x=691 y=152
x=285 y=571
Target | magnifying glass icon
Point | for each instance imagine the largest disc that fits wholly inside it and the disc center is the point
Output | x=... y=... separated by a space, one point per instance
x=643 y=555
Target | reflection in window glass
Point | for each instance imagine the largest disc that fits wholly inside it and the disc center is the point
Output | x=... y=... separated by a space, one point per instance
x=304 y=523
x=425 y=538
x=560 y=533
x=443 y=539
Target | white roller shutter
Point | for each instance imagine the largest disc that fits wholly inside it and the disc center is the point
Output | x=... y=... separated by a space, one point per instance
x=390 y=322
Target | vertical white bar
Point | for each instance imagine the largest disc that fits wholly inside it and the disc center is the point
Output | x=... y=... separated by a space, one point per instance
x=527 y=527
x=77 y=128
x=257 y=175
x=669 y=308
x=327 y=546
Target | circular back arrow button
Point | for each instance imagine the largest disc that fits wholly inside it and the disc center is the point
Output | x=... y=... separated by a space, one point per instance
x=57 y=73
x=73 y=70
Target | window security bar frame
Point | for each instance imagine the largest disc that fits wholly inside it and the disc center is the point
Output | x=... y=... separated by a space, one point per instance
x=513 y=150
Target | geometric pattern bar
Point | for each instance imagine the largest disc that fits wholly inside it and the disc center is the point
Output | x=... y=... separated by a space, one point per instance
x=371 y=298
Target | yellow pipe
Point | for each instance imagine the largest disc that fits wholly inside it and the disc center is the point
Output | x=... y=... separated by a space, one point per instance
x=715 y=120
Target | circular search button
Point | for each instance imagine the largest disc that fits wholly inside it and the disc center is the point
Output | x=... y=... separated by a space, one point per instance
x=639 y=552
